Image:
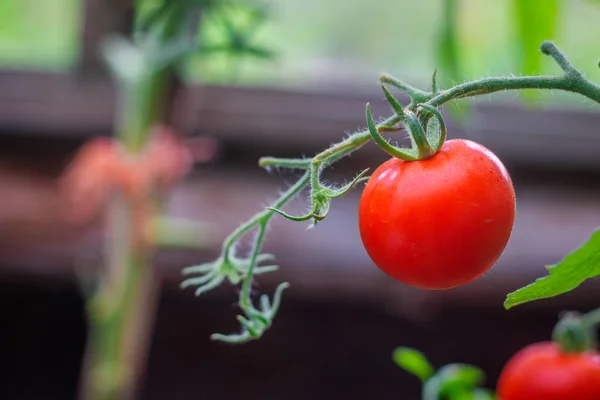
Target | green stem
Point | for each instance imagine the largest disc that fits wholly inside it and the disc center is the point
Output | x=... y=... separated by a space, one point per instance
x=140 y=108
x=113 y=310
x=350 y=144
x=245 y=301
x=263 y=217
x=491 y=85
x=125 y=297
x=292 y=163
x=571 y=81
x=329 y=156
x=417 y=95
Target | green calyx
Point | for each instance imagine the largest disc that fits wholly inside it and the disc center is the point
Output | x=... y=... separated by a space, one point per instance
x=574 y=333
x=427 y=135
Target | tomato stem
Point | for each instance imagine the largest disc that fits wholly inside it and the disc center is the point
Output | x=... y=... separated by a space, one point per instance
x=571 y=81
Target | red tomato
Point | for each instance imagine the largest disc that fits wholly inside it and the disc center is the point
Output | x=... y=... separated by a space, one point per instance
x=542 y=371
x=441 y=222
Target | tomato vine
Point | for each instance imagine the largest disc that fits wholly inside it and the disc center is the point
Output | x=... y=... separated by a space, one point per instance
x=415 y=117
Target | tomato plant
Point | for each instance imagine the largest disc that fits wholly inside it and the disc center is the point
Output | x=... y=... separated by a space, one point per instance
x=440 y=222
x=544 y=371
x=448 y=240
x=435 y=216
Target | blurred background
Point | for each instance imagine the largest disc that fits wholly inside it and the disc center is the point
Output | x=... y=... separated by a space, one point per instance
x=342 y=317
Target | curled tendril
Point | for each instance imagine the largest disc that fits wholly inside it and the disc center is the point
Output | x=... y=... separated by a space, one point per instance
x=321 y=198
x=255 y=321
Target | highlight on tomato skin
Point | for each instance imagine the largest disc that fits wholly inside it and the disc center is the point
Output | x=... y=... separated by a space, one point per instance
x=543 y=371
x=441 y=222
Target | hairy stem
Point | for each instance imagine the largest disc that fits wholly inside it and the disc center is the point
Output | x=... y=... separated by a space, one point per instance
x=491 y=85
x=245 y=302
x=263 y=217
x=571 y=81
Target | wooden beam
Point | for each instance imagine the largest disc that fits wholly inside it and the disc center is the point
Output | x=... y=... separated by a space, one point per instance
x=552 y=219
x=293 y=122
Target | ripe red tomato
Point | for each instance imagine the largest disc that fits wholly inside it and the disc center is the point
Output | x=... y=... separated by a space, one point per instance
x=542 y=371
x=441 y=222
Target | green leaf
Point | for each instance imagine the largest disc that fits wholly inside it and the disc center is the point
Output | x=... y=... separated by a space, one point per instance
x=414 y=362
x=483 y=394
x=536 y=21
x=461 y=375
x=581 y=264
x=454 y=381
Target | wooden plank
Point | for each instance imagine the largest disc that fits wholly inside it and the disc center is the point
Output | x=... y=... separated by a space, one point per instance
x=552 y=219
x=293 y=122
x=54 y=105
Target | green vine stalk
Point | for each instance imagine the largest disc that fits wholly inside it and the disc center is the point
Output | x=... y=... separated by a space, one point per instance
x=415 y=116
x=144 y=66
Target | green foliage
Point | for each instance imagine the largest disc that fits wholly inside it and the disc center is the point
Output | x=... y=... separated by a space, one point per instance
x=413 y=361
x=448 y=53
x=451 y=382
x=583 y=263
x=457 y=382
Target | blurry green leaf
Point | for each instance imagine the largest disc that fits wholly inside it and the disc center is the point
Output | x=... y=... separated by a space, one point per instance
x=483 y=394
x=454 y=381
x=448 y=56
x=148 y=12
x=229 y=31
x=581 y=264
x=414 y=362
x=447 y=45
x=472 y=394
x=536 y=21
